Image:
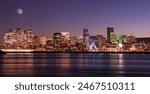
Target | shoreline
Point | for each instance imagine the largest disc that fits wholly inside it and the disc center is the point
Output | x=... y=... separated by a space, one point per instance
x=107 y=52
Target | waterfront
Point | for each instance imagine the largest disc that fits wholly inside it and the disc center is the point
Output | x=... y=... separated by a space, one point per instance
x=74 y=65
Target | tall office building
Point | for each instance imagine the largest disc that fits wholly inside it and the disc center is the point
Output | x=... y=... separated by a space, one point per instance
x=109 y=31
x=43 y=39
x=65 y=36
x=30 y=37
x=86 y=37
x=57 y=39
x=114 y=38
x=18 y=38
x=60 y=37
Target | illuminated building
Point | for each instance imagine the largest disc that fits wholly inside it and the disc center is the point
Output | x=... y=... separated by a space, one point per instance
x=123 y=39
x=114 y=38
x=43 y=40
x=109 y=31
x=80 y=39
x=17 y=38
x=65 y=36
x=61 y=39
x=49 y=42
x=86 y=37
x=30 y=37
x=36 y=42
x=65 y=39
x=56 y=39
x=10 y=39
x=145 y=40
x=73 y=40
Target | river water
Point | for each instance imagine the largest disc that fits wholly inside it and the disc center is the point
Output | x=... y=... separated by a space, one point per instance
x=74 y=65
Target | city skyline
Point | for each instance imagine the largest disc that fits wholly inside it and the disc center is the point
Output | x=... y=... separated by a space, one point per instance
x=48 y=16
x=25 y=40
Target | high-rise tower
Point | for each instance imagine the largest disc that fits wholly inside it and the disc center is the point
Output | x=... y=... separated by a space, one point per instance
x=109 y=31
x=86 y=37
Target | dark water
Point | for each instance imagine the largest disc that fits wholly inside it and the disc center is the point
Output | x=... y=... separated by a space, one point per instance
x=74 y=65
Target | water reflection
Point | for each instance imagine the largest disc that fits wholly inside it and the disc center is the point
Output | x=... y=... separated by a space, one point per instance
x=74 y=64
x=120 y=60
x=65 y=64
x=95 y=60
x=52 y=64
x=18 y=64
x=117 y=63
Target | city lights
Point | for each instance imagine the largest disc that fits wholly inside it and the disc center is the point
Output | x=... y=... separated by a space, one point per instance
x=18 y=40
x=120 y=45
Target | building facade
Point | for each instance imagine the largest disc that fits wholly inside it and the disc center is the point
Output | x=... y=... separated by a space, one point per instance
x=86 y=36
x=61 y=39
x=109 y=31
x=18 y=38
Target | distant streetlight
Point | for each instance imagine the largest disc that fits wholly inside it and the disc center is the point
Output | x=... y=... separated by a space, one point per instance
x=120 y=45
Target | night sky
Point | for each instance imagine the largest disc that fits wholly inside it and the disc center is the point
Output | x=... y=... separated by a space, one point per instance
x=49 y=16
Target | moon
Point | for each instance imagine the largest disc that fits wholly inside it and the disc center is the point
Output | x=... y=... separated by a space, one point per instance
x=19 y=11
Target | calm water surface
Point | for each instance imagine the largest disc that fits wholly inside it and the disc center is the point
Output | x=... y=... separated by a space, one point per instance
x=74 y=65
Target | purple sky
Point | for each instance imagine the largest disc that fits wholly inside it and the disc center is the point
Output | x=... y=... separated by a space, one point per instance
x=49 y=16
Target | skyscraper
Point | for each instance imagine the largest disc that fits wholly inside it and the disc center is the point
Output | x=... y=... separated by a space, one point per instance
x=109 y=31
x=86 y=37
x=18 y=38
x=57 y=39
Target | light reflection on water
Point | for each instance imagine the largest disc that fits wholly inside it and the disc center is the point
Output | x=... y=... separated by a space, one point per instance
x=74 y=64
x=117 y=62
x=15 y=64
